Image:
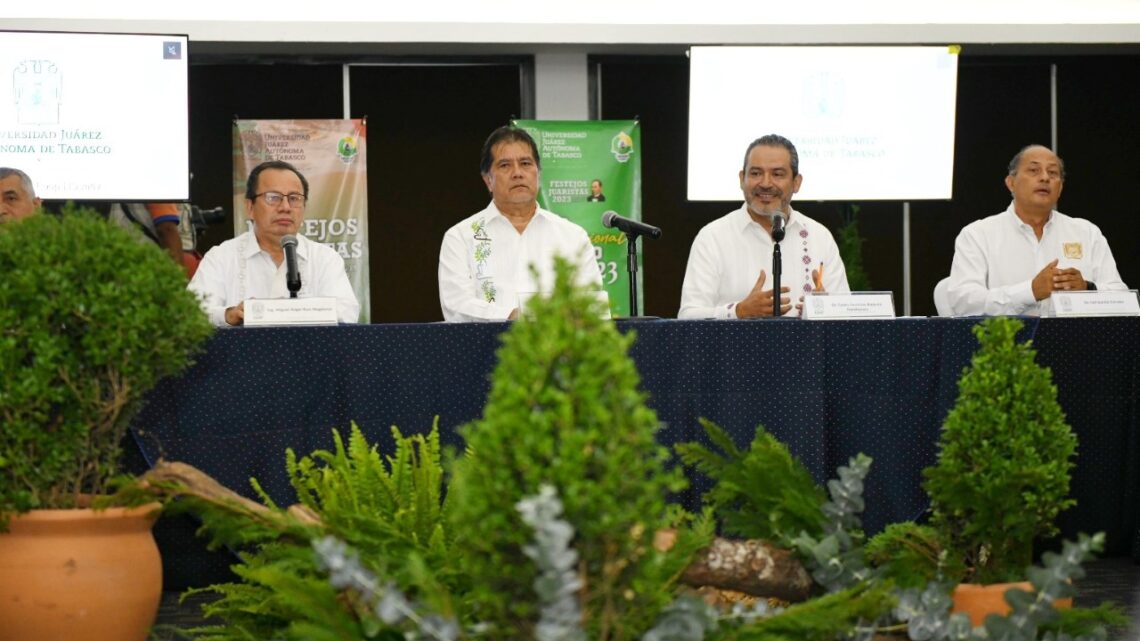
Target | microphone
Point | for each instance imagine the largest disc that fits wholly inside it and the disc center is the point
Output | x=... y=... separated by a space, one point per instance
x=778 y=226
x=292 y=275
x=631 y=227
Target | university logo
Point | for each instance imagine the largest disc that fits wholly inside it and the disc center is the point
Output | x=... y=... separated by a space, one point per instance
x=346 y=149
x=621 y=147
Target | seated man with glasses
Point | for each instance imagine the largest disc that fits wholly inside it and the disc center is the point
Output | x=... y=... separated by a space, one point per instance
x=252 y=265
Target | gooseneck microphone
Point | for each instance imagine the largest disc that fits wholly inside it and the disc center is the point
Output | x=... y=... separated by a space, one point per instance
x=292 y=274
x=631 y=227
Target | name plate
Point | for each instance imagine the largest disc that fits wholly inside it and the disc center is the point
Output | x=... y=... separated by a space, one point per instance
x=264 y=312
x=853 y=306
x=1096 y=303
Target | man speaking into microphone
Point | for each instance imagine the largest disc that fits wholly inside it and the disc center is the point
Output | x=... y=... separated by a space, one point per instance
x=729 y=274
x=254 y=265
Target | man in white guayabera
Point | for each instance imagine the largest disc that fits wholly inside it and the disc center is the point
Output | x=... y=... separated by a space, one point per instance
x=731 y=258
x=1011 y=263
x=252 y=265
x=485 y=259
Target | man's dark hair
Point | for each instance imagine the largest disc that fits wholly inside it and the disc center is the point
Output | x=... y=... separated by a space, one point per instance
x=1016 y=161
x=599 y=181
x=255 y=176
x=774 y=140
x=506 y=133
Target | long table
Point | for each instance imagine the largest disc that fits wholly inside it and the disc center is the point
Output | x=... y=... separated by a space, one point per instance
x=829 y=389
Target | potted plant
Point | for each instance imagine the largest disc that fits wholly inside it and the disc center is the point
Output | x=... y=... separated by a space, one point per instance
x=1004 y=462
x=90 y=320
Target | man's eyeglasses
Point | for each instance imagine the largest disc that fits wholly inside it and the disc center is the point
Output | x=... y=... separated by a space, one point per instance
x=274 y=198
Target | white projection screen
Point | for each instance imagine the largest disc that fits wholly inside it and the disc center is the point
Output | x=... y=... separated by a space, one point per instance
x=869 y=123
x=96 y=116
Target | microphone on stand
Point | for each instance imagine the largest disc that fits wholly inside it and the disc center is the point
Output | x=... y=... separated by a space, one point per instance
x=777 y=259
x=292 y=274
x=778 y=226
x=632 y=229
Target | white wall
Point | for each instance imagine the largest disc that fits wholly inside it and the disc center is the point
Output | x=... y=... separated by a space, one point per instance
x=602 y=22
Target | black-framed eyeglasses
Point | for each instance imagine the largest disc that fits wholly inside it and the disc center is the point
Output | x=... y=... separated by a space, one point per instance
x=274 y=198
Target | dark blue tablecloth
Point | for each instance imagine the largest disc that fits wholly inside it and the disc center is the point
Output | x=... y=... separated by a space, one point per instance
x=828 y=389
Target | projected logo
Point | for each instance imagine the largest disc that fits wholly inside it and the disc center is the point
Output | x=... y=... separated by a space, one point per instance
x=347 y=149
x=823 y=95
x=171 y=50
x=37 y=90
x=621 y=147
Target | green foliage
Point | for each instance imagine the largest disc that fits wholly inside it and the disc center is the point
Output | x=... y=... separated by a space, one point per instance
x=390 y=510
x=908 y=554
x=824 y=618
x=387 y=508
x=850 y=243
x=1005 y=455
x=928 y=618
x=762 y=493
x=835 y=560
x=565 y=410
x=90 y=320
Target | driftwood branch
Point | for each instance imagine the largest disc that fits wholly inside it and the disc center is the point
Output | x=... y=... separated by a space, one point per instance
x=180 y=479
x=754 y=567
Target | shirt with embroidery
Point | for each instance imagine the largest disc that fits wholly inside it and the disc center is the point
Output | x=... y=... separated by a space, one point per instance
x=484 y=263
x=728 y=254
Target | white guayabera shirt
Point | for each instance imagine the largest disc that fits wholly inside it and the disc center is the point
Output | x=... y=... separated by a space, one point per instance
x=239 y=269
x=484 y=263
x=996 y=258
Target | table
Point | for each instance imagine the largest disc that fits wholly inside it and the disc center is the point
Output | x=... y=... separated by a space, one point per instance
x=829 y=389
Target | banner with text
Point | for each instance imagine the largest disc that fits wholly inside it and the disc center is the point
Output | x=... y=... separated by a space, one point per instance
x=332 y=156
x=590 y=167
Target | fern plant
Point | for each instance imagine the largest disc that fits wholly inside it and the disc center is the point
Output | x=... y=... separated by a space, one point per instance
x=388 y=508
x=761 y=493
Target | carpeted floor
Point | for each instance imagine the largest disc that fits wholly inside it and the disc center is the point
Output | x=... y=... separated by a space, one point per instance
x=1116 y=580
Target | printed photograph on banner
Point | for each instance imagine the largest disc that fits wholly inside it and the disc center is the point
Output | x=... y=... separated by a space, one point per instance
x=331 y=154
x=591 y=167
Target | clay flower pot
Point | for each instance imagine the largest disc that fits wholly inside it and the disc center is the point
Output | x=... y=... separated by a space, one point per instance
x=979 y=600
x=80 y=575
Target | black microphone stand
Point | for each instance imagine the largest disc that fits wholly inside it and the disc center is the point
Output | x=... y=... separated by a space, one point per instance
x=777 y=266
x=631 y=268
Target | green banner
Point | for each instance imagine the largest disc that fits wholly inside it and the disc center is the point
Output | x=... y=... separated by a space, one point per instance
x=590 y=167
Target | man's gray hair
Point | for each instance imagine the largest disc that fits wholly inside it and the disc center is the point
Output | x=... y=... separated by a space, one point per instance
x=24 y=180
x=1016 y=161
x=774 y=140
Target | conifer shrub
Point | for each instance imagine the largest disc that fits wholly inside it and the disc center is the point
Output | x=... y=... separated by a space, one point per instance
x=1004 y=461
x=565 y=411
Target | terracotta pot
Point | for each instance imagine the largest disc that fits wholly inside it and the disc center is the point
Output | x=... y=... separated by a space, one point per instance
x=979 y=600
x=80 y=575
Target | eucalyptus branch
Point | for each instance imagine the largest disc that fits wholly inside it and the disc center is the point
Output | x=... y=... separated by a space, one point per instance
x=386 y=601
x=558 y=583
